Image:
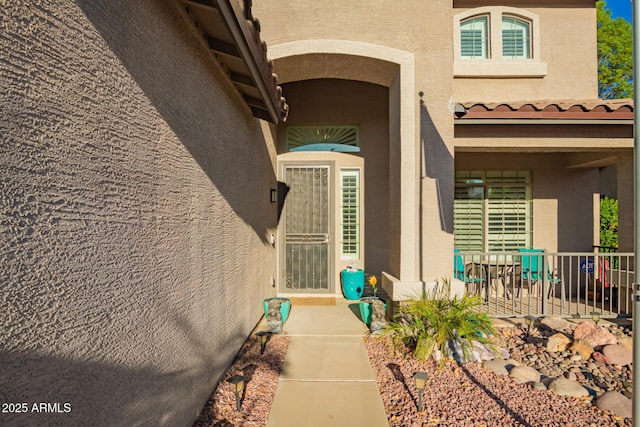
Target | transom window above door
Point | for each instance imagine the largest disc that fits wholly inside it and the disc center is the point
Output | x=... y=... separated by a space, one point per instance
x=345 y=139
x=497 y=41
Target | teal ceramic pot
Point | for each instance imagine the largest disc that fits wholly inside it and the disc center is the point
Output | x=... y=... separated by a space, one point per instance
x=365 y=308
x=352 y=284
x=285 y=307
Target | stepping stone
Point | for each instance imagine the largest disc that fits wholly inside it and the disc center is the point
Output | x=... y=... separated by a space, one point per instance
x=565 y=387
x=615 y=402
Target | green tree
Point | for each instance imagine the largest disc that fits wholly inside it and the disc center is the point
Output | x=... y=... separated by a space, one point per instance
x=609 y=222
x=615 y=55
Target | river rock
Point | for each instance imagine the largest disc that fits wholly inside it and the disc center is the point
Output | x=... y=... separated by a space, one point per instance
x=565 y=387
x=617 y=354
x=593 y=334
x=496 y=366
x=599 y=357
x=482 y=351
x=558 y=342
x=615 y=402
x=583 y=348
x=554 y=323
x=524 y=374
x=626 y=342
x=538 y=386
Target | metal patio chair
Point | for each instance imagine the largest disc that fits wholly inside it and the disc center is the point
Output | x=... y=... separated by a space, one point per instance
x=471 y=274
x=532 y=265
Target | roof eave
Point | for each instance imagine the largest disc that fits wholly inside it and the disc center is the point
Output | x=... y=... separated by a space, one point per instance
x=515 y=121
x=256 y=81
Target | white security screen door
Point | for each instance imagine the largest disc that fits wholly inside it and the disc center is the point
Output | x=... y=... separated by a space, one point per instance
x=306 y=217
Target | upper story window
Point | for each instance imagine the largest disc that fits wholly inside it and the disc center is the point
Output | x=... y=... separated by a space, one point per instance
x=474 y=37
x=516 y=38
x=498 y=42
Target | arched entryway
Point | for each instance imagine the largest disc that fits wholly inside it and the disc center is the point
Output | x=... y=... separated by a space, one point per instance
x=343 y=83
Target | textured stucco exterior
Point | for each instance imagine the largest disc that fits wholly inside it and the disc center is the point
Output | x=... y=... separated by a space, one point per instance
x=420 y=178
x=135 y=184
x=134 y=214
x=567 y=45
x=428 y=71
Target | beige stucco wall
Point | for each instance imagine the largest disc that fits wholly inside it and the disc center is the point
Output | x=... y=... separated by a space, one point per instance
x=567 y=37
x=134 y=214
x=424 y=33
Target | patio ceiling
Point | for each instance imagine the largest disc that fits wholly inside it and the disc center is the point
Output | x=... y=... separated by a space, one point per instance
x=618 y=111
x=230 y=31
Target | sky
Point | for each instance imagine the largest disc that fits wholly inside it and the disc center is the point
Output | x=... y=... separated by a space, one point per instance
x=620 y=8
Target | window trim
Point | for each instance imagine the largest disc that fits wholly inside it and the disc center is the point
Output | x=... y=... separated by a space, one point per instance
x=496 y=66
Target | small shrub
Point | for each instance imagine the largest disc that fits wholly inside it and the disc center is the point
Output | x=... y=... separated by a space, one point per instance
x=428 y=323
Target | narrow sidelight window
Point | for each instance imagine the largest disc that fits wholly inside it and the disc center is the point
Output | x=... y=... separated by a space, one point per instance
x=350 y=213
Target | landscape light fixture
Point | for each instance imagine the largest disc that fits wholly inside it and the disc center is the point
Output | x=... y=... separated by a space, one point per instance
x=263 y=336
x=420 y=378
x=237 y=381
x=530 y=320
x=595 y=315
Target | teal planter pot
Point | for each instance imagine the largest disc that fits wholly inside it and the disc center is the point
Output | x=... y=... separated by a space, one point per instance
x=352 y=284
x=285 y=307
x=365 y=308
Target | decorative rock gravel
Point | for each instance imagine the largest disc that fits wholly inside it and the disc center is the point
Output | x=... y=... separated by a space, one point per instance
x=458 y=394
x=469 y=395
x=263 y=372
x=616 y=403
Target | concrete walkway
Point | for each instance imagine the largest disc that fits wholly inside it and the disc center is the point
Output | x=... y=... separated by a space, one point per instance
x=326 y=379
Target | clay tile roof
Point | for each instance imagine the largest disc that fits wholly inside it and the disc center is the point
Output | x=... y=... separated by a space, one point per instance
x=595 y=109
x=232 y=33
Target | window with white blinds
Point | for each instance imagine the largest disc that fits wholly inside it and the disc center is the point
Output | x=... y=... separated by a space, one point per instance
x=493 y=210
x=350 y=213
x=516 y=39
x=474 y=38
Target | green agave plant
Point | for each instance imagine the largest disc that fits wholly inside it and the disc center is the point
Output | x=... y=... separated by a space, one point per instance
x=429 y=322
